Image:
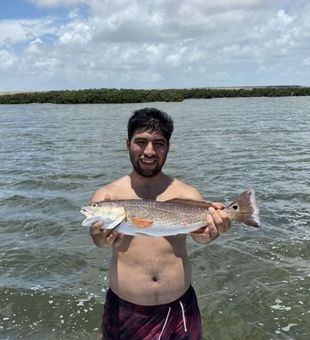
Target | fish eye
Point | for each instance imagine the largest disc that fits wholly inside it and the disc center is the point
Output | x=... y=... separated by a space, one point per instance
x=235 y=207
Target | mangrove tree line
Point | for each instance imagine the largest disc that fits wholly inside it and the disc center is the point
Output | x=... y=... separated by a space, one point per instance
x=97 y=96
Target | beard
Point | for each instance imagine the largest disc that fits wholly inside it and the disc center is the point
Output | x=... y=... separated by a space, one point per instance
x=144 y=171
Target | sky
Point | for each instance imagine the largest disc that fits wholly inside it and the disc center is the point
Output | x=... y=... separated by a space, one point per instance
x=78 y=44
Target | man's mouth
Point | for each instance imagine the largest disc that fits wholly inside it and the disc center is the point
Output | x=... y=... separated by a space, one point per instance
x=148 y=161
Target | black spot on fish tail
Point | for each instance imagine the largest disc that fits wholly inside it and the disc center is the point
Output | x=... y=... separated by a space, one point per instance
x=244 y=209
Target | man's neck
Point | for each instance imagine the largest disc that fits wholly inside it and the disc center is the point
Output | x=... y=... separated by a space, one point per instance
x=149 y=187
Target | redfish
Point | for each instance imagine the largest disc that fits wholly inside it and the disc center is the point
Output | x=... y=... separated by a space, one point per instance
x=172 y=217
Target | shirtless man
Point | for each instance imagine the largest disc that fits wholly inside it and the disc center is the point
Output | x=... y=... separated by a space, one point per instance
x=150 y=294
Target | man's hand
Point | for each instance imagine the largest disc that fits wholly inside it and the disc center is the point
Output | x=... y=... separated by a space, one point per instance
x=218 y=223
x=102 y=237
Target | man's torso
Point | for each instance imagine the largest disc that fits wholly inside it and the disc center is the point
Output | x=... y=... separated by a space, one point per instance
x=149 y=270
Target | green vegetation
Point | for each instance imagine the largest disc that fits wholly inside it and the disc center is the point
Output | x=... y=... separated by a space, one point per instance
x=97 y=96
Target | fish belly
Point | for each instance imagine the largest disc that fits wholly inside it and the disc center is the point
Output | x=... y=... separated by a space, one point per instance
x=128 y=228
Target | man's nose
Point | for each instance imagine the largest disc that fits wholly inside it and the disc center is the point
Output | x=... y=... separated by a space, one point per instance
x=149 y=149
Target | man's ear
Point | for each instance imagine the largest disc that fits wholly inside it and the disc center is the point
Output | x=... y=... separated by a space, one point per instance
x=127 y=143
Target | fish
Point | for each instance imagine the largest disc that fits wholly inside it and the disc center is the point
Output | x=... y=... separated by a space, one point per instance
x=167 y=218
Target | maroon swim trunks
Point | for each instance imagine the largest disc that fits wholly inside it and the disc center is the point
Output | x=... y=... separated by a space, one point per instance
x=177 y=320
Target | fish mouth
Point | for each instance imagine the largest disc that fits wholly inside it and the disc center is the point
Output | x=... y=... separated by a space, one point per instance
x=85 y=211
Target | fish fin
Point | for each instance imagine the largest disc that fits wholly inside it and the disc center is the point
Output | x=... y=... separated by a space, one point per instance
x=244 y=209
x=199 y=231
x=141 y=222
x=194 y=203
x=114 y=223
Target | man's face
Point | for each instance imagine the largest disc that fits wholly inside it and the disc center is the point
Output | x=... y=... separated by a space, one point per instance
x=148 y=152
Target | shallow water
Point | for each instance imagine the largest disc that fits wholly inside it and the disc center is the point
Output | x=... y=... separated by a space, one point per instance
x=250 y=283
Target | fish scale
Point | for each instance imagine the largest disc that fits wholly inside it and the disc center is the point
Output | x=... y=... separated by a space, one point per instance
x=164 y=214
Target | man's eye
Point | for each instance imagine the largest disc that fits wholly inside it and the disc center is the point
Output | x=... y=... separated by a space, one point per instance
x=161 y=144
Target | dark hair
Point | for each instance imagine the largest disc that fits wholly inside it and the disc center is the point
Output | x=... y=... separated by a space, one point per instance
x=150 y=119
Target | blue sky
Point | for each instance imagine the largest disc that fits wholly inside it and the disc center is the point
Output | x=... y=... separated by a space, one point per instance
x=26 y=9
x=75 y=44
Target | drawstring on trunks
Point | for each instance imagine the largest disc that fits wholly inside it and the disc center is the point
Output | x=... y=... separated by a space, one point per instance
x=183 y=315
x=162 y=330
x=167 y=317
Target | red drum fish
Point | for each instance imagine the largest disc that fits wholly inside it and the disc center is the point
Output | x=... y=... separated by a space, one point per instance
x=172 y=217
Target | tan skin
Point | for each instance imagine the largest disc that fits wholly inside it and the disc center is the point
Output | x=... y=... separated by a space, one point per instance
x=151 y=270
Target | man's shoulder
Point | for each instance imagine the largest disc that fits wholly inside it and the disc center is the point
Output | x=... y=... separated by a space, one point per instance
x=184 y=190
x=111 y=190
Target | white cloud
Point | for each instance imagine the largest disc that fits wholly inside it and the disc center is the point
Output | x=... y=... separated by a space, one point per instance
x=36 y=46
x=306 y=61
x=75 y=33
x=17 y=31
x=7 y=59
x=160 y=43
x=177 y=57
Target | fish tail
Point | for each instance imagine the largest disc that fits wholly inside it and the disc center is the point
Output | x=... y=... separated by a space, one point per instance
x=244 y=209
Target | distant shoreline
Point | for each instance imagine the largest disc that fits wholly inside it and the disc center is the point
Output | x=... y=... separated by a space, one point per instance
x=106 y=95
x=248 y=87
